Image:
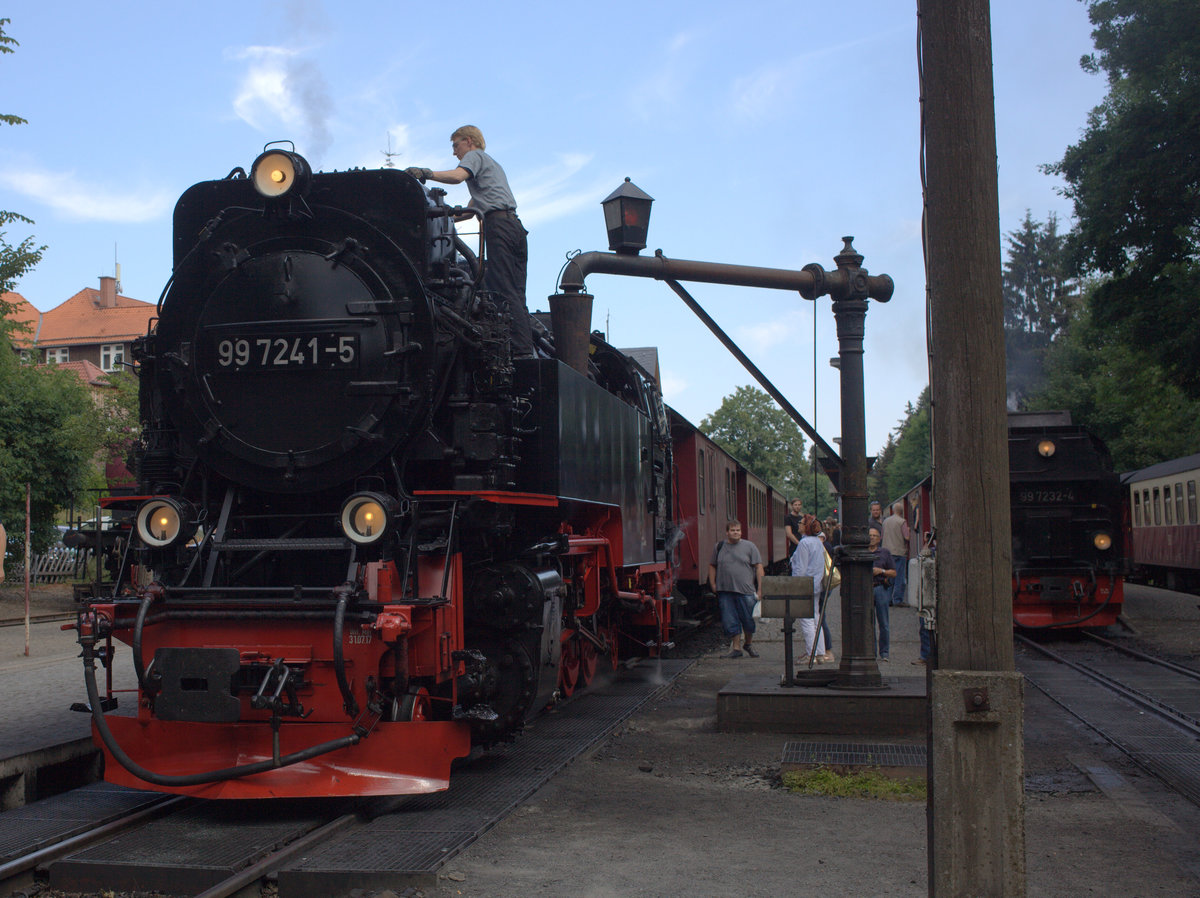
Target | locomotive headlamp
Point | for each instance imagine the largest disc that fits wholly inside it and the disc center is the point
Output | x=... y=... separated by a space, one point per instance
x=1102 y=541
x=627 y=218
x=277 y=173
x=367 y=517
x=1046 y=448
x=164 y=522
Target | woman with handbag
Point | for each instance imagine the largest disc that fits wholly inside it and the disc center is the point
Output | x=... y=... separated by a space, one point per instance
x=833 y=579
x=809 y=561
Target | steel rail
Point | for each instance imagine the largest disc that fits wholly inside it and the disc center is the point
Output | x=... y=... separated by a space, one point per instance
x=167 y=804
x=1160 y=709
x=1142 y=656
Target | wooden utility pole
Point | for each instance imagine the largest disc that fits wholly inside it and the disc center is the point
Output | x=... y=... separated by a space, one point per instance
x=976 y=804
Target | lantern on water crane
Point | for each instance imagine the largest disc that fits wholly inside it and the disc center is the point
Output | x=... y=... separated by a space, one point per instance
x=627 y=217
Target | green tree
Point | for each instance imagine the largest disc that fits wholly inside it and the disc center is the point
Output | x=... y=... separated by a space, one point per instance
x=49 y=429
x=758 y=433
x=906 y=458
x=48 y=438
x=15 y=261
x=1038 y=302
x=1120 y=394
x=1134 y=179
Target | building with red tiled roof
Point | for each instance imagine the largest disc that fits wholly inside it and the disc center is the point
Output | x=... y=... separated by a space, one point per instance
x=23 y=313
x=95 y=326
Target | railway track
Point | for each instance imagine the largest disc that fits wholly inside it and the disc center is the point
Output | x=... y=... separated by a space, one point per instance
x=1146 y=707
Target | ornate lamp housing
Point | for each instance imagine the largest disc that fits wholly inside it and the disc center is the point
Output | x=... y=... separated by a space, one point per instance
x=627 y=217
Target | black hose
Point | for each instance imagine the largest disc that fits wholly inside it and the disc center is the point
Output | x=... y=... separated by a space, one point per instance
x=339 y=660
x=138 y=628
x=195 y=779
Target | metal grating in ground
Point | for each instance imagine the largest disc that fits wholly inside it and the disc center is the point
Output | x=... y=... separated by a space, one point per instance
x=1154 y=744
x=34 y=826
x=415 y=840
x=854 y=754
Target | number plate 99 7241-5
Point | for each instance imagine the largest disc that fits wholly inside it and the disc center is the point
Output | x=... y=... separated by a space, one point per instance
x=285 y=351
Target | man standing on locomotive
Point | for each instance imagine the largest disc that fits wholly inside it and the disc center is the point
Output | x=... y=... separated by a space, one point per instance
x=505 y=236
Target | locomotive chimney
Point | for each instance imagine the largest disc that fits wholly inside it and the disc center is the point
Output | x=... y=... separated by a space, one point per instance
x=571 y=321
x=108 y=292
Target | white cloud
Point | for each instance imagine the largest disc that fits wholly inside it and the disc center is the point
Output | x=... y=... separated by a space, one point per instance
x=63 y=192
x=761 y=337
x=665 y=86
x=263 y=92
x=763 y=92
x=673 y=385
x=547 y=193
x=282 y=87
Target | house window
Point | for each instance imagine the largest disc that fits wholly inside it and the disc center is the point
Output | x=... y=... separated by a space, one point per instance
x=111 y=356
x=58 y=356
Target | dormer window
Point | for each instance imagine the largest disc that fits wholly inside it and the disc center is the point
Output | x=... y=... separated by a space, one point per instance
x=58 y=356
x=111 y=356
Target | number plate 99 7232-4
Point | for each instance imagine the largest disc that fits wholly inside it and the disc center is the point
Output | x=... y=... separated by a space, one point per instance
x=273 y=353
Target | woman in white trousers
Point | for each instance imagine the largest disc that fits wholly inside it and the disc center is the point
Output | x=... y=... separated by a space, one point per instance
x=809 y=561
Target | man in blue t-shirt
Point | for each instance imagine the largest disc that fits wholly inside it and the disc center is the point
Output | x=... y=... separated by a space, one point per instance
x=505 y=238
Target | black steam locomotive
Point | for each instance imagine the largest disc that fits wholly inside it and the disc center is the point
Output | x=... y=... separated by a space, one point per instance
x=366 y=538
x=1067 y=524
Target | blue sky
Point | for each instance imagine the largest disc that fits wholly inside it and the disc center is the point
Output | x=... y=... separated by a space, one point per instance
x=764 y=130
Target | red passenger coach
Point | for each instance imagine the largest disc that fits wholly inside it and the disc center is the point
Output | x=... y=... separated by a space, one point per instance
x=1166 y=523
x=705 y=499
x=711 y=488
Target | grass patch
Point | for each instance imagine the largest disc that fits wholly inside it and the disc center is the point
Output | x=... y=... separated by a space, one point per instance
x=859 y=784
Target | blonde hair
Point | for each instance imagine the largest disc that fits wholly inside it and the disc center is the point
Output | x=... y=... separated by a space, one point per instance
x=472 y=133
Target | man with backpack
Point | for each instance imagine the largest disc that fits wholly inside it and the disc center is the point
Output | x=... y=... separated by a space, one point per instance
x=735 y=574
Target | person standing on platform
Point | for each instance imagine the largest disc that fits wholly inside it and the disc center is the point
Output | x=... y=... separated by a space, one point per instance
x=895 y=540
x=809 y=561
x=792 y=522
x=735 y=574
x=504 y=235
x=882 y=571
x=875 y=521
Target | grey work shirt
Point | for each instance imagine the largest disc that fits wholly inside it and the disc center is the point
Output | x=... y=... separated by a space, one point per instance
x=488 y=183
x=735 y=564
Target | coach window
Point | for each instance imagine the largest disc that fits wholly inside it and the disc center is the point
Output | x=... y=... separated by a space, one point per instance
x=712 y=482
x=1167 y=503
x=1179 y=518
x=1191 y=501
x=1146 y=507
x=1137 y=508
x=1157 y=507
x=700 y=481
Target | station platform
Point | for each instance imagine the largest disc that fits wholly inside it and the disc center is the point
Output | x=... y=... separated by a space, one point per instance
x=45 y=747
x=756 y=699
